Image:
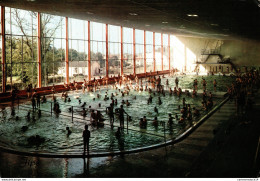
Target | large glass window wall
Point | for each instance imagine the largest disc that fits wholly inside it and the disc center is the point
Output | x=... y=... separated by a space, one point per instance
x=165 y=52
x=149 y=51
x=98 y=49
x=21 y=50
x=114 y=50
x=78 y=50
x=53 y=45
x=139 y=51
x=158 y=52
x=128 y=62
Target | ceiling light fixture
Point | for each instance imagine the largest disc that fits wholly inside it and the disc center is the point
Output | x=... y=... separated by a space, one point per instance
x=30 y=0
x=89 y=12
x=133 y=14
x=192 y=15
x=147 y=25
x=214 y=24
x=164 y=22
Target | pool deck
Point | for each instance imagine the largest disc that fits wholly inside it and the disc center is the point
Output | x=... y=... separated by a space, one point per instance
x=223 y=146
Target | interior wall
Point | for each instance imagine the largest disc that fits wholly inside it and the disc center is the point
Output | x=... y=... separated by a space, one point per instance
x=242 y=53
x=197 y=44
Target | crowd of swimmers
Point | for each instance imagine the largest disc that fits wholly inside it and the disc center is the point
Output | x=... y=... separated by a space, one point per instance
x=152 y=84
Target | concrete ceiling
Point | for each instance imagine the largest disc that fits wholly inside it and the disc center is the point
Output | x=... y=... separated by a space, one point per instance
x=223 y=19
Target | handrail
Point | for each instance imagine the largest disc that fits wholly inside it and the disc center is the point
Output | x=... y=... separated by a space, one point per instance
x=90 y=124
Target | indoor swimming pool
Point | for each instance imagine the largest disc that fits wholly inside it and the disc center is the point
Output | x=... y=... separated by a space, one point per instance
x=52 y=127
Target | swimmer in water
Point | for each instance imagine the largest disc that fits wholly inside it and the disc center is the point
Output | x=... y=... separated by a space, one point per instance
x=68 y=131
x=160 y=101
x=39 y=113
x=84 y=112
x=156 y=110
x=127 y=103
x=155 y=122
x=12 y=111
x=28 y=116
x=176 y=116
x=84 y=104
x=170 y=121
x=150 y=99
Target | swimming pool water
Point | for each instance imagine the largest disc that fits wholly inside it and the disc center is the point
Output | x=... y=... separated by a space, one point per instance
x=53 y=127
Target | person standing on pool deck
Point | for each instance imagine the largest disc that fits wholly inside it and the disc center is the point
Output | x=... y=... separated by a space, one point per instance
x=215 y=84
x=204 y=83
x=176 y=82
x=33 y=103
x=86 y=136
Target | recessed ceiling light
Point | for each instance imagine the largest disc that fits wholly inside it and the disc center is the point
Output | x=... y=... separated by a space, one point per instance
x=214 y=24
x=164 y=22
x=133 y=14
x=192 y=15
x=89 y=12
x=30 y=0
x=147 y=25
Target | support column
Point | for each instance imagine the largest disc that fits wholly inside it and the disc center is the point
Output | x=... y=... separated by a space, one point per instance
x=3 y=48
x=144 y=52
x=67 y=50
x=39 y=52
x=169 y=50
x=89 y=53
x=134 y=48
x=162 y=49
x=122 y=52
x=154 y=52
x=107 y=50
